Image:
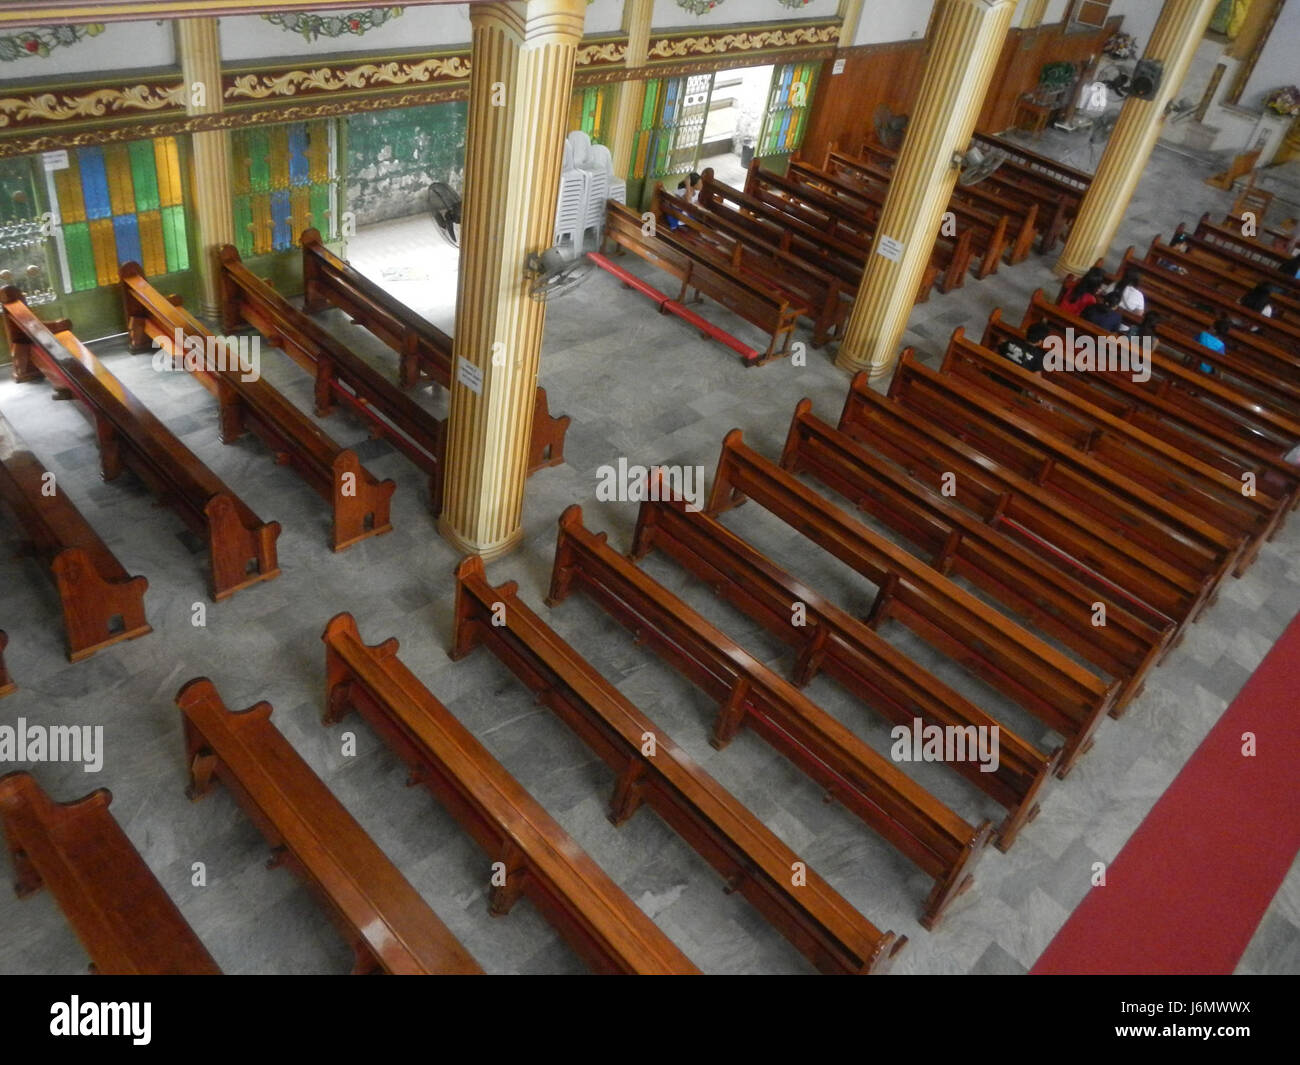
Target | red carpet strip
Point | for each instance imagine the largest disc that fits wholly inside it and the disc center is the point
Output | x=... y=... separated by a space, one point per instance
x=1188 y=890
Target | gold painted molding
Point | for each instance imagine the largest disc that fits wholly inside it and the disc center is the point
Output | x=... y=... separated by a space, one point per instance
x=40 y=108
x=59 y=12
x=333 y=78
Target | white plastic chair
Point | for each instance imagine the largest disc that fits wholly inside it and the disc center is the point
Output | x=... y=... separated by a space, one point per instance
x=579 y=149
x=571 y=209
x=601 y=160
x=597 y=194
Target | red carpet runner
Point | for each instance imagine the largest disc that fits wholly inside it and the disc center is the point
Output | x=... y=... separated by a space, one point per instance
x=1188 y=890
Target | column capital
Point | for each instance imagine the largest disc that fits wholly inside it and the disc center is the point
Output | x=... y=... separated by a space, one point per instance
x=533 y=21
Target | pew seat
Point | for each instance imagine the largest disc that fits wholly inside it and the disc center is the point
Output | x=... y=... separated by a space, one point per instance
x=538 y=859
x=124 y=918
x=387 y=924
x=102 y=604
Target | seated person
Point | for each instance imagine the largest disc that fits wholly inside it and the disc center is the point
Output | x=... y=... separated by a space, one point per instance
x=1130 y=296
x=1291 y=268
x=1105 y=313
x=1181 y=244
x=1257 y=299
x=1215 y=341
x=1083 y=293
x=1030 y=355
x=689 y=190
x=1146 y=329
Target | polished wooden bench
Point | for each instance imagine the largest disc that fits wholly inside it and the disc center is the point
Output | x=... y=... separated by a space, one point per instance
x=1045 y=595
x=831 y=640
x=1228 y=237
x=1007 y=220
x=423 y=350
x=1024 y=667
x=1217 y=498
x=102 y=603
x=1281 y=332
x=240 y=546
x=1059 y=188
x=536 y=857
x=827 y=297
x=1203 y=265
x=940 y=842
x=341 y=375
x=769 y=310
x=120 y=912
x=1093 y=543
x=1163 y=527
x=386 y=923
x=751 y=859
x=359 y=502
x=7 y=685
x=1198 y=413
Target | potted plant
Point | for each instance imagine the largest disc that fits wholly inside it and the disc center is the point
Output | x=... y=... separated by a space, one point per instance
x=1284 y=101
x=1121 y=46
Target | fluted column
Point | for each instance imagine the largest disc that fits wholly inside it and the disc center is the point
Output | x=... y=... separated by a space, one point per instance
x=520 y=83
x=850 y=15
x=967 y=41
x=1178 y=31
x=199 y=43
x=1032 y=16
x=631 y=94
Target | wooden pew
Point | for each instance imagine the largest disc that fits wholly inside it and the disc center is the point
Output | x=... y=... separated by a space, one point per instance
x=1046 y=596
x=827 y=297
x=120 y=912
x=1207 y=268
x=241 y=547
x=1228 y=237
x=386 y=923
x=7 y=685
x=102 y=603
x=1059 y=692
x=1280 y=332
x=805 y=233
x=1164 y=528
x=540 y=860
x=340 y=375
x=1185 y=320
x=1219 y=499
x=1050 y=181
x=359 y=502
x=1199 y=413
x=977 y=208
x=869 y=785
x=1265 y=401
x=765 y=308
x=749 y=856
x=1053 y=526
x=833 y=640
x=422 y=348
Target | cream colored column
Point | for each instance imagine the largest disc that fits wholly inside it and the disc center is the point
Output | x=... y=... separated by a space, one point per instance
x=1177 y=33
x=198 y=41
x=631 y=94
x=967 y=42
x=1032 y=16
x=520 y=83
x=850 y=16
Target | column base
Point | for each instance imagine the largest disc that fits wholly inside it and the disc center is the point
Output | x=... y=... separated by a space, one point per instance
x=487 y=552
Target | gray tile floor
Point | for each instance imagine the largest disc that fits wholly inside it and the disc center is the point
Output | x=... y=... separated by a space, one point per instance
x=637 y=385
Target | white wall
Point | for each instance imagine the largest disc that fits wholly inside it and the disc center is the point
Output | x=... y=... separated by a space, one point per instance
x=669 y=15
x=890 y=20
x=1279 y=62
x=434 y=27
x=121 y=46
x=1139 y=18
x=1055 y=11
x=604 y=16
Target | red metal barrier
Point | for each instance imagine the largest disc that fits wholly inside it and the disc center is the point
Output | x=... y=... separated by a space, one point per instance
x=707 y=329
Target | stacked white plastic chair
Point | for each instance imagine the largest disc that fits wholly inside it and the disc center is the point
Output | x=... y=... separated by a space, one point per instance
x=571 y=208
x=602 y=160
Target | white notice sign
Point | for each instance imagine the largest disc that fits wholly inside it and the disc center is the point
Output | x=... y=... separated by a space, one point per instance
x=890 y=248
x=470 y=376
x=838 y=68
x=56 y=160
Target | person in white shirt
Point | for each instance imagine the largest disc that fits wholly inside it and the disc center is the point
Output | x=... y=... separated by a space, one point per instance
x=1130 y=296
